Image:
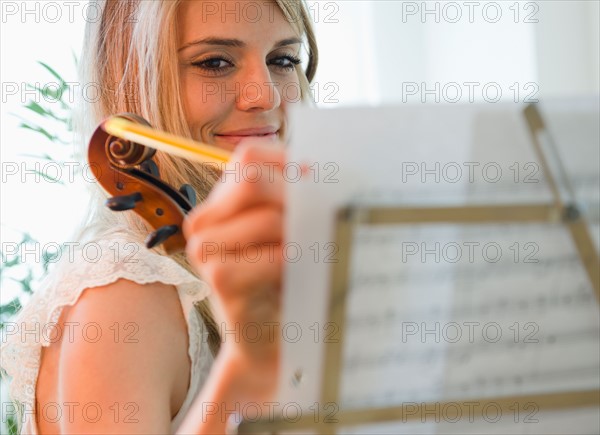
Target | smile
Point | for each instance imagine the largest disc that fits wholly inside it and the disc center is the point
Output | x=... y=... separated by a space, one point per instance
x=237 y=136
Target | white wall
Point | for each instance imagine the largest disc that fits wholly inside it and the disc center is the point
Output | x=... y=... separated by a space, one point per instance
x=567 y=47
x=377 y=51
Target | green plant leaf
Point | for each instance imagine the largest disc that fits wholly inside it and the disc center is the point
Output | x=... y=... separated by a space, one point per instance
x=25 y=282
x=50 y=257
x=12 y=263
x=55 y=74
x=12 y=308
x=48 y=177
x=54 y=95
x=11 y=424
x=41 y=157
x=39 y=130
x=27 y=238
x=35 y=107
x=42 y=111
x=43 y=131
x=57 y=110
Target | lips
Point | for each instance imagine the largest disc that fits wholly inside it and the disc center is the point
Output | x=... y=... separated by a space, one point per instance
x=262 y=131
x=238 y=135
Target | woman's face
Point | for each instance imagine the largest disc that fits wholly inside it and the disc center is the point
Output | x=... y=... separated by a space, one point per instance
x=237 y=70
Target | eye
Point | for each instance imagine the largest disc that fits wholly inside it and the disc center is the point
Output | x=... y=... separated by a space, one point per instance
x=285 y=63
x=214 y=65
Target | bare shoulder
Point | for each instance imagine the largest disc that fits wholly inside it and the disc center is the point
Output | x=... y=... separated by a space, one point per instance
x=128 y=356
x=124 y=312
x=127 y=301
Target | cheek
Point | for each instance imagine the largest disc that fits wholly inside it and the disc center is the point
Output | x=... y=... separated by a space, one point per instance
x=203 y=102
x=290 y=91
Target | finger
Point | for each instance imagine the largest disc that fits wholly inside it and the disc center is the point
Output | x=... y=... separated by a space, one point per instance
x=231 y=279
x=251 y=237
x=255 y=166
x=253 y=178
x=260 y=225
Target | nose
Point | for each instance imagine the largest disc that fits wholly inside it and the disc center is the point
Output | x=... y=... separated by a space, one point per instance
x=257 y=91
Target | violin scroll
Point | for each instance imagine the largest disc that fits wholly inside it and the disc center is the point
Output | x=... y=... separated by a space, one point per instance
x=126 y=171
x=126 y=154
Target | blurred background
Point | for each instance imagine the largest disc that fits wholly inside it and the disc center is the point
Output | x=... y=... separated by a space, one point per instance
x=371 y=53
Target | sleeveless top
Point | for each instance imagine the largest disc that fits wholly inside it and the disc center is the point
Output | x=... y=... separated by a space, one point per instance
x=97 y=264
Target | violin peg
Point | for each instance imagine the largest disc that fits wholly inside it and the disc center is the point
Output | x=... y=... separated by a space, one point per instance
x=160 y=235
x=125 y=202
x=150 y=167
x=189 y=192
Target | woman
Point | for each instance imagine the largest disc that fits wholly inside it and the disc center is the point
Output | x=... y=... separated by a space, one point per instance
x=126 y=341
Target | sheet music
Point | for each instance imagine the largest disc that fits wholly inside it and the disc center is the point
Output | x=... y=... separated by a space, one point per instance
x=488 y=324
x=504 y=309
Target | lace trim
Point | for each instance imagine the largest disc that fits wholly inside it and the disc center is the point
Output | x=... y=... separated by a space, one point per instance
x=94 y=264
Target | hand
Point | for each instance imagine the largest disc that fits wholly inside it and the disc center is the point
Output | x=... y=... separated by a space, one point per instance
x=235 y=243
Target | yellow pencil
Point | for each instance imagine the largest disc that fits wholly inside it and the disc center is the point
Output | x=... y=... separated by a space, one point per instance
x=166 y=142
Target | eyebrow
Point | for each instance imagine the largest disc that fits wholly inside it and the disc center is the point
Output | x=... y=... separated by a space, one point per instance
x=236 y=42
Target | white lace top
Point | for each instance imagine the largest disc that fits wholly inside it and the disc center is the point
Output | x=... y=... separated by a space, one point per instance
x=92 y=265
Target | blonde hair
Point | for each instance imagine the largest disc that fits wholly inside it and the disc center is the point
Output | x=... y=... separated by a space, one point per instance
x=129 y=57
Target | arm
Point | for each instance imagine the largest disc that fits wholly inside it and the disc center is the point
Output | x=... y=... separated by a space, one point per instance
x=220 y=395
x=123 y=381
x=240 y=213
